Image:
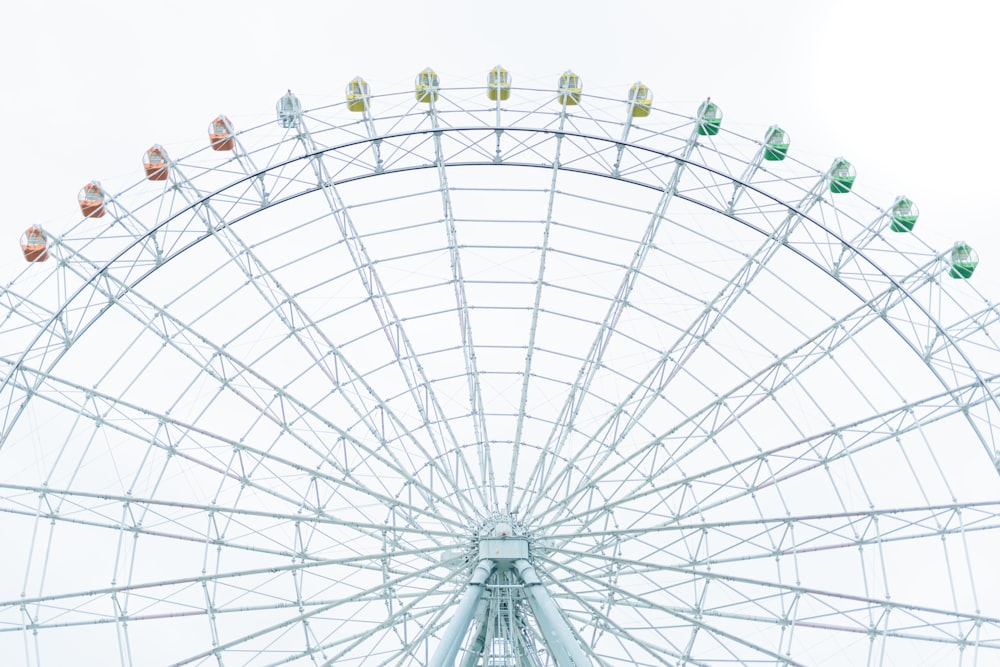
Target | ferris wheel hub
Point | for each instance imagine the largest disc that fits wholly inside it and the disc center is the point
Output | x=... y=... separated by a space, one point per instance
x=504 y=550
x=503 y=539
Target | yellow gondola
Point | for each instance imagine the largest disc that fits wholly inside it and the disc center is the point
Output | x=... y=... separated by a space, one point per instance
x=570 y=88
x=357 y=93
x=498 y=84
x=640 y=99
x=427 y=85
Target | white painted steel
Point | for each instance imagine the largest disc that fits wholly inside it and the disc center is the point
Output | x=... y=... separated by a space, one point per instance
x=275 y=409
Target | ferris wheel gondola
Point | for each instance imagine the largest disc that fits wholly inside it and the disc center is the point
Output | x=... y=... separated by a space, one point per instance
x=414 y=379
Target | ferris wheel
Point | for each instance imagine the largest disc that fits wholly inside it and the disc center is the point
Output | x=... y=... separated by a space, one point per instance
x=495 y=376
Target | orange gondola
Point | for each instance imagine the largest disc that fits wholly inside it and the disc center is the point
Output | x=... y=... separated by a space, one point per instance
x=220 y=134
x=156 y=163
x=35 y=245
x=91 y=200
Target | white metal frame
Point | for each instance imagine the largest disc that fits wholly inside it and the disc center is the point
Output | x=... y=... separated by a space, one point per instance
x=340 y=516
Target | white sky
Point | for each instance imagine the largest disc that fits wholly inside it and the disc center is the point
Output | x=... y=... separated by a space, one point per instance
x=905 y=90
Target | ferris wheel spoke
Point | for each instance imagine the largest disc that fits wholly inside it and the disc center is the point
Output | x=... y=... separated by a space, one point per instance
x=90 y=619
x=251 y=416
x=99 y=504
x=436 y=621
x=487 y=473
x=765 y=539
x=591 y=610
x=672 y=361
x=690 y=617
x=818 y=608
x=173 y=591
x=113 y=527
x=535 y=311
x=365 y=644
x=430 y=619
x=415 y=377
x=375 y=638
x=371 y=133
x=822 y=449
x=367 y=595
x=159 y=322
x=280 y=406
x=170 y=436
x=771 y=466
x=148 y=590
x=580 y=390
x=701 y=427
x=305 y=332
x=665 y=653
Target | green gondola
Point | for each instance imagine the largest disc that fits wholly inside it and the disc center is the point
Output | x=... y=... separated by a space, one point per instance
x=709 y=118
x=964 y=261
x=775 y=144
x=842 y=176
x=904 y=215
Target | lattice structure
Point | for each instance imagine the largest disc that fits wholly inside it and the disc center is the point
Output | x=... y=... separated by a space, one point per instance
x=497 y=376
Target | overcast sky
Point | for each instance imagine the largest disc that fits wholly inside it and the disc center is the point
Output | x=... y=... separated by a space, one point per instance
x=905 y=90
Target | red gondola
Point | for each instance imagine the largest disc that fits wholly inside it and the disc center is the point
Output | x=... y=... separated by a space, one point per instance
x=91 y=200
x=220 y=134
x=156 y=163
x=35 y=245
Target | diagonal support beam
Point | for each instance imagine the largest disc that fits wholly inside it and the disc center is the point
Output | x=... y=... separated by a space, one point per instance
x=451 y=642
x=560 y=643
x=475 y=650
x=559 y=639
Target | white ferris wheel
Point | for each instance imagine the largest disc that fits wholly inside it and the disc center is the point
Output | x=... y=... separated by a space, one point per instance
x=496 y=376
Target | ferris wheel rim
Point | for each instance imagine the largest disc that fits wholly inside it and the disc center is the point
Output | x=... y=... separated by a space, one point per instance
x=951 y=342
x=858 y=250
x=206 y=197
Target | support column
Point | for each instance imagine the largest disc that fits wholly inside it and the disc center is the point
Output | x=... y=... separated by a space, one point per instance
x=559 y=639
x=475 y=650
x=451 y=642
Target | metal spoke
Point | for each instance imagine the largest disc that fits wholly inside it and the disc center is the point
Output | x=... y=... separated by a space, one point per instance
x=553 y=380
x=726 y=411
x=585 y=376
x=831 y=604
x=693 y=337
x=487 y=474
x=814 y=451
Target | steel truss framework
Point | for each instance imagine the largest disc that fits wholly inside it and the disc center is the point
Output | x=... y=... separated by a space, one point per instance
x=514 y=383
